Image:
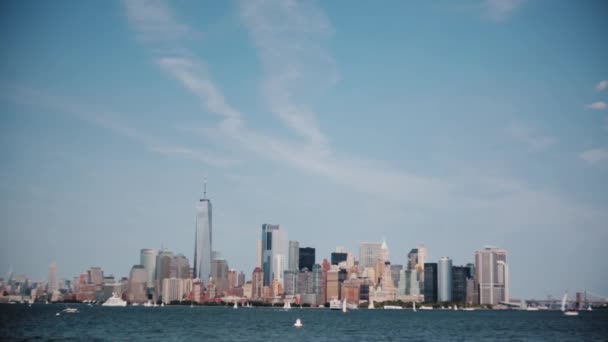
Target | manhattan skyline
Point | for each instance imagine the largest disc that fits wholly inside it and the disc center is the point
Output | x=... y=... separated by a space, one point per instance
x=453 y=125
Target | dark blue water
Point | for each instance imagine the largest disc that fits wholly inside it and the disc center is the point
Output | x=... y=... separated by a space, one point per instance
x=39 y=322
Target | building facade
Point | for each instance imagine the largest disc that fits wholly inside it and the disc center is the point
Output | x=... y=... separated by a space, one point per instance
x=444 y=279
x=307 y=258
x=203 y=242
x=294 y=256
x=430 y=282
x=147 y=258
x=274 y=247
x=491 y=279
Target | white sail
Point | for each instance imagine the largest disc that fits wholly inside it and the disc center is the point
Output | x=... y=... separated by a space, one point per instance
x=564 y=301
x=235 y=305
x=371 y=303
x=344 y=305
x=414 y=306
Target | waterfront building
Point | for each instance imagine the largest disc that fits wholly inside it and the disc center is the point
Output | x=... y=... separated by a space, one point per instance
x=232 y=279
x=258 y=258
x=163 y=269
x=317 y=284
x=491 y=279
x=412 y=259
x=248 y=290
x=241 y=279
x=291 y=282
x=173 y=290
x=337 y=258
x=219 y=272
x=274 y=248
x=351 y=289
x=333 y=284
x=395 y=271
x=137 y=290
x=198 y=291
x=294 y=256
x=203 y=242
x=179 y=267
x=460 y=274
x=257 y=283
x=444 y=280
x=306 y=258
x=430 y=282
x=369 y=253
x=472 y=292
x=95 y=276
x=147 y=258
x=52 y=282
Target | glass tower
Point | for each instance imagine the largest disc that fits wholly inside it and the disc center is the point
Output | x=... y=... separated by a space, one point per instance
x=444 y=279
x=203 y=241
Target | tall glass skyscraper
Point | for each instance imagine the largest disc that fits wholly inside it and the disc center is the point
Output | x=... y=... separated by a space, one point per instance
x=147 y=258
x=294 y=256
x=274 y=248
x=203 y=241
x=444 y=279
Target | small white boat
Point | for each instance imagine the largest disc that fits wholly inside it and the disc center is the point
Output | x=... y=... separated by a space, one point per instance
x=371 y=304
x=468 y=309
x=455 y=307
x=392 y=307
x=162 y=304
x=235 y=306
x=70 y=310
x=135 y=304
x=567 y=312
x=298 y=323
x=423 y=307
x=344 y=308
x=589 y=308
x=532 y=308
x=414 y=306
x=114 y=301
x=148 y=304
x=335 y=304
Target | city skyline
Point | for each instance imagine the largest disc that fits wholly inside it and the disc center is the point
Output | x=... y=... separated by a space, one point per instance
x=450 y=126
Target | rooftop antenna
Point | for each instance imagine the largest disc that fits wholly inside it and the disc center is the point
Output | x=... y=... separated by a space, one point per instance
x=205 y=188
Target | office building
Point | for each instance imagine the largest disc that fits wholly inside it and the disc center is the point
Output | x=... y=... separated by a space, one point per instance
x=203 y=243
x=460 y=274
x=52 y=284
x=257 y=283
x=307 y=258
x=147 y=258
x=179 y=267
x=430 y=282
x=274 y=248
x=173 y=290
x=219 y=273
x=294 y=256
x=491 y=275
x=369 y=253
x=137 y=289
x=337 y=258
x=444 y=280
x=395 y=272
x=95 y=276
x=163 y=269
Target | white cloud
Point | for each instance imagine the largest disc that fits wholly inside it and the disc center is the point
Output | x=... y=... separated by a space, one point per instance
x=499 y=10
x=602 y=85
x=599 y=105
x=595 y=155
x=535 y=142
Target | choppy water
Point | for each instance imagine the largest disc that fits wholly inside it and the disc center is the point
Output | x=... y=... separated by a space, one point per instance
x=178 y=323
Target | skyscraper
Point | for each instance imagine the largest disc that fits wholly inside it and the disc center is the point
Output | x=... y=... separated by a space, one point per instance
x=444 y=279
x=147 y=258
x=163 y=269
x=430 y=282
x=294 y=256
x=337 y=257
x=412 y=259
x=274 y=244
x=137 y=286
x=52 y=285
x=307 y=258
x=460 y=274
x=369 y=253
x=491 y=275
x=203 y=242
x=219 y=272
x=179 y=267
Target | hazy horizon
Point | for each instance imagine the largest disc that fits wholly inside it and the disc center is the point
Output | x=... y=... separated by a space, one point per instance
x=452 y=124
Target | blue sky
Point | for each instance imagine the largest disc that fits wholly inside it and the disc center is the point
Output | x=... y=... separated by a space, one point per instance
x=454 y=124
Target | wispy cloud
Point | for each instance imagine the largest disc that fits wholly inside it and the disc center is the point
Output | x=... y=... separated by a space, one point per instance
x=599 y=105
x=601 y=85
x=534 y=142
x=108 y=120
x=500 y=10
x=311 y=151
x=595 y=155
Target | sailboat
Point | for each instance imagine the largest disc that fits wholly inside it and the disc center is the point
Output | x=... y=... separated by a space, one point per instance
x=567 y=312
x=455 y=307
x=414 y=306
x=371 y=303
x=236 y=306
x=287 y=305
x=344 y=309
